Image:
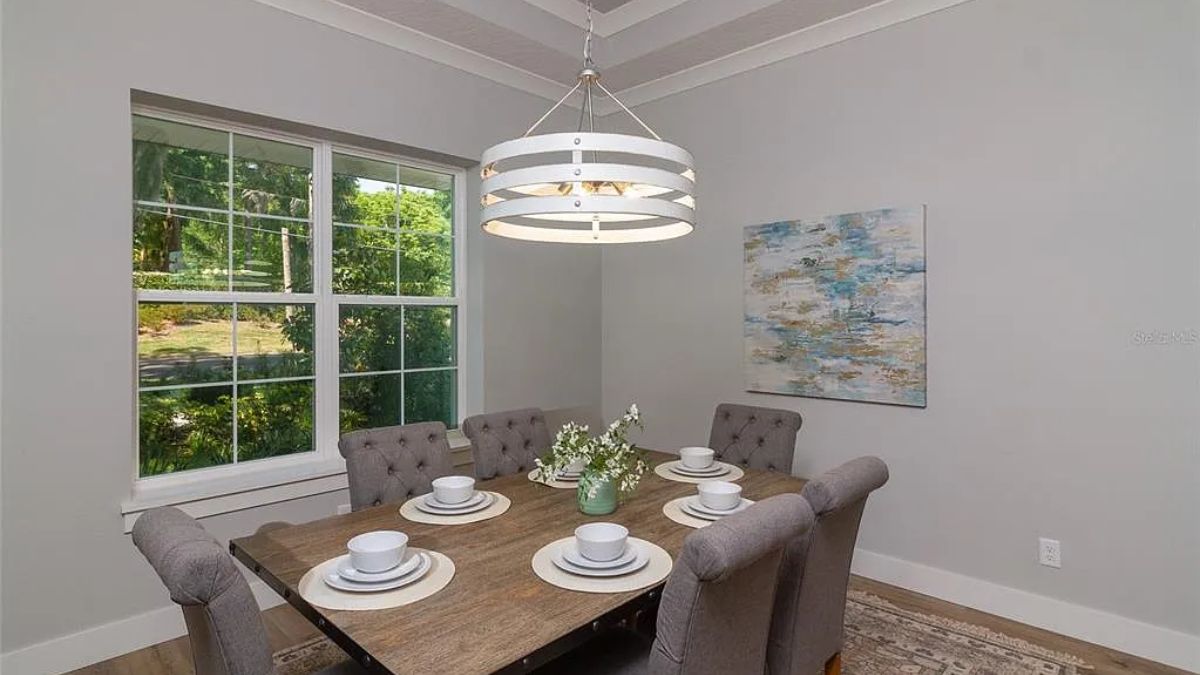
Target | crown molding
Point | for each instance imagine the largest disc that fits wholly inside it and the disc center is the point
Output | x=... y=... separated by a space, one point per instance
x=845 y=27
x=377 y=29
x=605 y=24
x=817 y=36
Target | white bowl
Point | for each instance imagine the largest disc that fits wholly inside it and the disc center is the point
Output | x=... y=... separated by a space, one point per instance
x=697 y=458
x=453 y=489
x=601 y=541
x=719 y=494
x=377 y=551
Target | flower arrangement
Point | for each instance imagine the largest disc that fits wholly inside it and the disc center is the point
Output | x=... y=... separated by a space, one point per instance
x=607 y=458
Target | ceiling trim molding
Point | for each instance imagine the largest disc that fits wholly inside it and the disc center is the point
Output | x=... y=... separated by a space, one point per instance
x=832 y=31
x=377 y=29
x=838 y=29
x=606 y=23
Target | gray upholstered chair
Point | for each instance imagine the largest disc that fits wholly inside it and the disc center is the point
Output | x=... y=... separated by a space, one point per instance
x=806 y=629
x=715 y=611
x=753 y=437
x=506 y=442
x=392 y=464
x=223 y=622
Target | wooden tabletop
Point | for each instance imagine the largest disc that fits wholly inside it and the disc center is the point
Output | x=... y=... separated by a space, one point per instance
x=496 y=614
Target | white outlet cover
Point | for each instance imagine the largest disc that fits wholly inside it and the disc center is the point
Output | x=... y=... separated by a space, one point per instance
x=1050 y=552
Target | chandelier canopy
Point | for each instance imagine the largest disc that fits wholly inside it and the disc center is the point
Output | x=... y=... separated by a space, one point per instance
x=587 y=186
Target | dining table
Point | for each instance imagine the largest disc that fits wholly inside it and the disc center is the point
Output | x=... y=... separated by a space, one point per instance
x=495 y=615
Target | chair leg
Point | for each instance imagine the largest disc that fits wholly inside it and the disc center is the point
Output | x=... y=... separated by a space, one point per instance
x=834 y=665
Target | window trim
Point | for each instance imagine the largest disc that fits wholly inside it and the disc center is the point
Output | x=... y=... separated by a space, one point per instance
x=307 y=473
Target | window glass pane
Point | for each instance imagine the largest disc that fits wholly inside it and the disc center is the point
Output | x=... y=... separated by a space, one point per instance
x=426 y=201
x=429 y=337
x=369 y=401
x=180 y=163
x=272 y=255
x=271 y=177
x=183 y=429
x=430 y=396
x=184 y=343
x=426 y=265
x=364 y=261
x=274 y=341
x=364 y=191
x=370 y=338
x=176 y=248
x=274 y=418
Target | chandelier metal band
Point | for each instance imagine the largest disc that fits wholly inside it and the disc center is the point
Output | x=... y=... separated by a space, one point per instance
x=563 y=199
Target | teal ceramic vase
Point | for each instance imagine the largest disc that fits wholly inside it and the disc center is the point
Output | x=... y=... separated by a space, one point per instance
x=605 y=500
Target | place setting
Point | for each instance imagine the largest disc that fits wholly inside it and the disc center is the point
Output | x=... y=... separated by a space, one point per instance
x=602 y=558
x=566 y=478
x=379 y=571
x=454 y=501
x=696 y=465
x=713 y=501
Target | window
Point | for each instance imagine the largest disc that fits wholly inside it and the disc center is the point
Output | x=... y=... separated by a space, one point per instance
x=286 y=291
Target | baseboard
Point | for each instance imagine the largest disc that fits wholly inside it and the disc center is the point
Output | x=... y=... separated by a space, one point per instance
x=1163 y=645
x=111 y=639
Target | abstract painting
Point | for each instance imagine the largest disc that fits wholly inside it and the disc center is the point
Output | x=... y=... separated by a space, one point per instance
x=835 y=307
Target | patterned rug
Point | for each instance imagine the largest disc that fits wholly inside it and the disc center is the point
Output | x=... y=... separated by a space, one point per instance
x=883 y=639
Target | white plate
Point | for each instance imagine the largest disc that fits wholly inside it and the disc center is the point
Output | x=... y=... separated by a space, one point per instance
x=710 y=472
x=488 y=500
x=347 y=571
x=334 y=580
x=475 y=499
x=687 y=509
x=642 y=559
x=699 y=507
x=570 y=553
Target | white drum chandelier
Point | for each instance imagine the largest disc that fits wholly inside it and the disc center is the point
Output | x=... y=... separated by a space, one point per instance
x=585 y=186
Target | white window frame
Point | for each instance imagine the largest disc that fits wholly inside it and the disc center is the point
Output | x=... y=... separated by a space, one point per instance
x=230 y=487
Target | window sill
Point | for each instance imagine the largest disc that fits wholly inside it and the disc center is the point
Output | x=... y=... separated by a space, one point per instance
x=204 y=494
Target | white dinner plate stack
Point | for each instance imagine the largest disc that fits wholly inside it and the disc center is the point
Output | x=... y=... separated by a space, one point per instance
x=568 y=559
x=692 y=506
x=411 y=569
x=478 y=501
x=715 y=470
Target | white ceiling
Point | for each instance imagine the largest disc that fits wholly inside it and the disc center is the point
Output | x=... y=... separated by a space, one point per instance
x=646 y=49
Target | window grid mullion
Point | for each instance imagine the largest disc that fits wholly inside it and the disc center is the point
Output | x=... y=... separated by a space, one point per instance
x=233 y=323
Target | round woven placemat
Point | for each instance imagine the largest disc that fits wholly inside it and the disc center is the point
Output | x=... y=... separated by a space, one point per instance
x=664 y=471
x=410 y=511
x=655 y=571
x=314 y=589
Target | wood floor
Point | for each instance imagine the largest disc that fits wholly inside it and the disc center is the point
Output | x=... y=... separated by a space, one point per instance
x=285 y=627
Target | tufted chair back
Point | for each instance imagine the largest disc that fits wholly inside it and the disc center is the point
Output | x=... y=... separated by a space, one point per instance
x=507 y=442
x=758 y=438
x=392 y=464
x=806 y=629
x=225 y=629
x=715 y=611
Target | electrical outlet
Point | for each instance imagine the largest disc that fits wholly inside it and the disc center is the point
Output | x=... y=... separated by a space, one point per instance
x=343 y=509
x=1050 y=552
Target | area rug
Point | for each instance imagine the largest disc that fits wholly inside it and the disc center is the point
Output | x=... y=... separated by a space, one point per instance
x=309 y=656
x=883 y=639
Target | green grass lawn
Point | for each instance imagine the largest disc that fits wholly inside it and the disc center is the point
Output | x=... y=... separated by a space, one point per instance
x=213 y=338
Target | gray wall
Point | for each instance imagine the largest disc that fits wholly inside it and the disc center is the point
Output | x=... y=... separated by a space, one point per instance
x=1056 y=146
x=67 y=429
